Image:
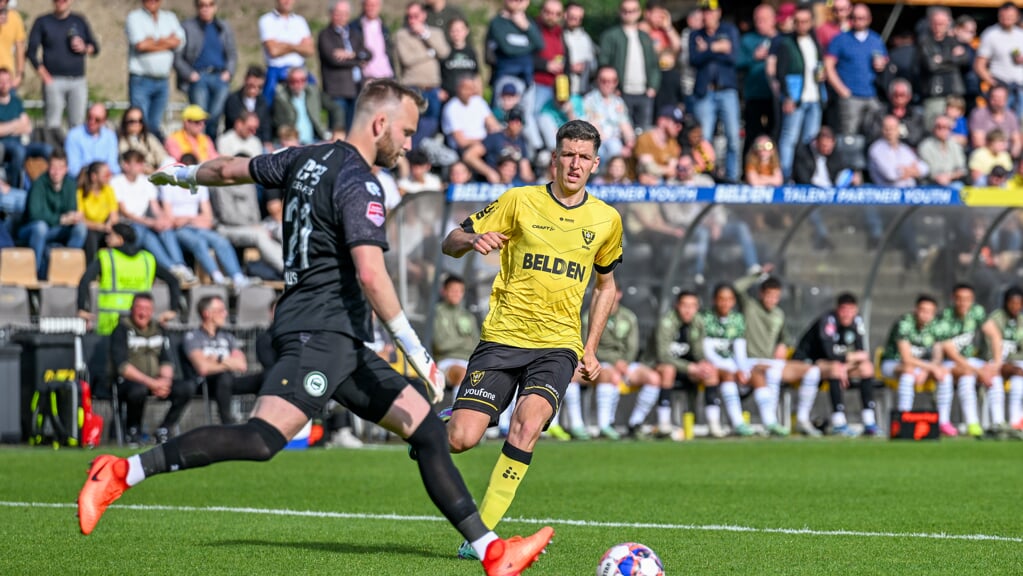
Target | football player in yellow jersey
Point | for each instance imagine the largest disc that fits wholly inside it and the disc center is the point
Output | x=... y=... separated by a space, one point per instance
x=552 y=238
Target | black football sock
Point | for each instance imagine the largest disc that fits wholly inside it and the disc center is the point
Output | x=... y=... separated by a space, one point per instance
x=442 y=480
x=255 y=440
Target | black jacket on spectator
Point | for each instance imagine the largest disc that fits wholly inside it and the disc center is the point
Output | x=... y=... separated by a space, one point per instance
x=912 y=127
x=941 y=70
x=236 y=104
x=804 y=164
x=790 y=62
x=338 y=81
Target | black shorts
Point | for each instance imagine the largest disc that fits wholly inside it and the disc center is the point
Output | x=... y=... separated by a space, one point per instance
x=497 y=373
x=684 y=382
x=314 y=367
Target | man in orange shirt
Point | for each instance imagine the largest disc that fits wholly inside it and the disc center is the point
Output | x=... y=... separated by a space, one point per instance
x=192 y=138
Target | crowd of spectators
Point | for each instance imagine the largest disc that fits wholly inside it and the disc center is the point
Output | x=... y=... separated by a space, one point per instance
x=678 y=98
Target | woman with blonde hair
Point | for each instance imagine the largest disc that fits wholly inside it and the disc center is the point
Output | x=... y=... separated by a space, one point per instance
x=763 y=167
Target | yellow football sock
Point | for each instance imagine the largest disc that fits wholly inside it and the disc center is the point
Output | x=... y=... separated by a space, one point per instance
x=504 y=481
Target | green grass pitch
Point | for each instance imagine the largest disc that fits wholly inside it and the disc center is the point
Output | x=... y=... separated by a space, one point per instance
x=730 y=507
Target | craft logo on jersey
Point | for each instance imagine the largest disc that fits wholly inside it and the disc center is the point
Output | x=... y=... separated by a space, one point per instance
x=588 y=237
x=476 y=376
x=375 y=213
x=315 y=384
x=372 y=188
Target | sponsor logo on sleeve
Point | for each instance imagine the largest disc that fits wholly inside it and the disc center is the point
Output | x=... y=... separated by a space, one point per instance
x=375 y=213
x=372 y=188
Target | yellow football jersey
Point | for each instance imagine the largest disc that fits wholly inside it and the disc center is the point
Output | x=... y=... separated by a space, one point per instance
x=546 y=264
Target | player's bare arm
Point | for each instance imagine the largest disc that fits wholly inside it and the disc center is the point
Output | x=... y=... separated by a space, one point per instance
x=380 y=293
x=604 y=292
x=459 y=242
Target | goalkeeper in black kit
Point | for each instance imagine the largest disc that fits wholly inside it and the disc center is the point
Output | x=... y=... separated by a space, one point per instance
x=835 y=348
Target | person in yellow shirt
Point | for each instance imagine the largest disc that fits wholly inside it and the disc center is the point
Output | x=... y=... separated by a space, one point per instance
x=97 y=203
x=552 y=239
x=13 y=41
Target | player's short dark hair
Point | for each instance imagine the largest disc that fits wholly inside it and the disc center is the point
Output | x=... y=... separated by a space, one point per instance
x=684 y=294
x=926 y=298
x=719 y=288
x=846 y=298
x=58 y=154
x=205 y=302
x=578 y=130
x=453 y=279
x=380 y=92
x=1014 y=291
x=962 y=286
x=771 y=283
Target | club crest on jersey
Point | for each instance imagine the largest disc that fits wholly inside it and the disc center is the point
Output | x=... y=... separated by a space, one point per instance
x=476 y=376
x=588 y=237
x=375 y=213
x=372 y=188
x=315 y=384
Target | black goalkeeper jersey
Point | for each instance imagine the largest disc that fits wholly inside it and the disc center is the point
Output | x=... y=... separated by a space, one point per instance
x=828 y=340
x=332 y=202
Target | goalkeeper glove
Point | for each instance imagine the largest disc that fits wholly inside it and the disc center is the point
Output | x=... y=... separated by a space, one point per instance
x=176 y=175
x=406 y=339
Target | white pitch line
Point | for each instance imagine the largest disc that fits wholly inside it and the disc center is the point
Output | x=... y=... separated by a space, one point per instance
x=542 y=521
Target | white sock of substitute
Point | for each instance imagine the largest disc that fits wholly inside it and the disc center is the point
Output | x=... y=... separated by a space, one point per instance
x=869 y=418
x=607 y=401
x=773 y=378
x=765 y=403
x=907 y=391
x=664 y=417
x=645 y=401
x=480 y=546
x=1015 y=399
x=808 y=394
x=713 y=414
x=573 y=405
x=996 y=400
x=968 y=398
x=135 y=472
x=943 y=399
x=838 y=419
x=733 y=404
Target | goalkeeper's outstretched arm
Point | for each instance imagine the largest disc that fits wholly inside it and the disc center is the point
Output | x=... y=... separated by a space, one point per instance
x=223 y=171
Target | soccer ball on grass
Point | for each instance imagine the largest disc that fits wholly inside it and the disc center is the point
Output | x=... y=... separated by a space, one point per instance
x=630 y=559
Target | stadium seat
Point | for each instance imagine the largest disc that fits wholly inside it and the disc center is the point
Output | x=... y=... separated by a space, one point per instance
x=161 y=298
x=253 y=308
x=18 y=267
x=58 y=301
x=198 y=293
x=14 y=306
x=185 y=371
x=66 y=266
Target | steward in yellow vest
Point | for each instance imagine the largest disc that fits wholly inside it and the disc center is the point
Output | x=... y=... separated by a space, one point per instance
x=123 y=270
